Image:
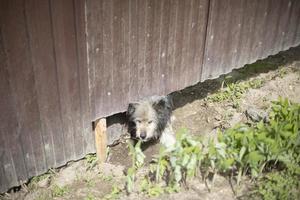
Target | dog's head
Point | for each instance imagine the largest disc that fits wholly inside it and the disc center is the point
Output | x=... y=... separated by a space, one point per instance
x=147 y=119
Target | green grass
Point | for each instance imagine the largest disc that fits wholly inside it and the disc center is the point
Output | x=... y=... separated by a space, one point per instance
x=234 y=91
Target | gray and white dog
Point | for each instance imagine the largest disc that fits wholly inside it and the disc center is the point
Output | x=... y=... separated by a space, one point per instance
x=151 y=119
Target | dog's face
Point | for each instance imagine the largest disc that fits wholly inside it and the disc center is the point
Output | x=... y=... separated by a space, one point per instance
x=147 y=119
x=144 y=120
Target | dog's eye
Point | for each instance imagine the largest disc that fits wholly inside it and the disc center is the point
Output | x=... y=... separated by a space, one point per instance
x=149 y=122
x=138 y=121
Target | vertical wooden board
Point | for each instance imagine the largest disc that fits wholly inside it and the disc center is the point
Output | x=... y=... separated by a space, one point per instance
x=105 y=73
x=40 y=35
x=216 y=39
x=171 y=46
x=179 y=43
x=12 y=164
x=156 y=45
x=187 y=47
x=164 y=73
x=119 y=68
x=291 y=24
x=20 y=72
x=3 y=181
x=271 y=28
x=5 y=177
x=193 y=13
x=234 y=35
x=207 y=62
x=151 y=80
x=62 y=14
x=197 y=39
x=10 y=150
x=257 y=43
x=296 y=37
x=95 y=53
x=125 y=50
x=133 y=50
x=86 y=117
x=183 y=65
x=282 y=25
x=247 y=42
x=247 y=29
x=141 y=19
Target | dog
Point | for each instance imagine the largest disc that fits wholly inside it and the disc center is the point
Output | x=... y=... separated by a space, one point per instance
x=150 y=119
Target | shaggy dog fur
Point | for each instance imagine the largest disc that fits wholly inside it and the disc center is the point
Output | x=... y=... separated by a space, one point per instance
x=151 y=119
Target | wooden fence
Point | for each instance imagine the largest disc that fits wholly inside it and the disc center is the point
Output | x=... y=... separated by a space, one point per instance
x=65 y=63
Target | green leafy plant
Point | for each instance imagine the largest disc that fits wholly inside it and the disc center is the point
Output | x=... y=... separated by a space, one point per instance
x=234 y=91
x=174 y=166
x=279 y=185
x=137 y=161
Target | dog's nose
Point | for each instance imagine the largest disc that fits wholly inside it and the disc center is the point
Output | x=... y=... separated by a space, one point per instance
x=143 y=135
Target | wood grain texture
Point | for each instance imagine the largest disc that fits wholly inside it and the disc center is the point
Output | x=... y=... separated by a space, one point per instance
x=45 y=105
x=241 y=32
x=23 y=87
x=44 y=69
x=64 y=38
x=142 y=48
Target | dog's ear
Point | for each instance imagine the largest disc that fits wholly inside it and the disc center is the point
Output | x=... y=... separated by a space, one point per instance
x=131 y=108
x=163 y=103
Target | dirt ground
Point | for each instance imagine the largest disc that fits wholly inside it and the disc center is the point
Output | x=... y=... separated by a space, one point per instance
x=280 y=76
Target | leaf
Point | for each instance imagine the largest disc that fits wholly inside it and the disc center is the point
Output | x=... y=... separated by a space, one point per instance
x=178 y=175
x=242 y=153
x=254 y=158
x=185 y=160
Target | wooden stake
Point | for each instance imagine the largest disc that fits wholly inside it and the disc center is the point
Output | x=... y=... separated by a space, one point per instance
x=101 y=139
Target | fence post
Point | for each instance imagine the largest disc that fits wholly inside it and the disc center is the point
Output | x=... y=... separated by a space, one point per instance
x=101 y=139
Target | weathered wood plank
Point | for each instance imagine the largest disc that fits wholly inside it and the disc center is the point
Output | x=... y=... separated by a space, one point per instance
x=85 y=96
x=23 y=86
x=44 y=69
x=62 y=15
x=12 y=165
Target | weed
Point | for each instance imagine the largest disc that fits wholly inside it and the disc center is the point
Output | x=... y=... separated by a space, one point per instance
x=114 y=194
x=91 y=160
x=234 y=91
x=58 y=191
x=150 y=189
x=89 y=182
x=35 y=180
x=137 y=161
x=104 y=177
